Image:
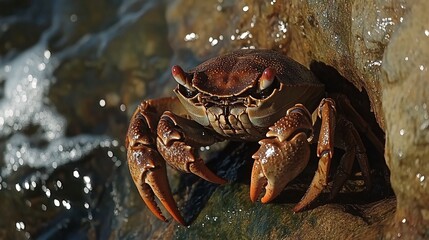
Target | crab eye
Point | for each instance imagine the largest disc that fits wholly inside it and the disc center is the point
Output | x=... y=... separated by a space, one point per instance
x=266 y=84
x=181 y=77
x=178 y=75
x=184 y=85
x=266 y=79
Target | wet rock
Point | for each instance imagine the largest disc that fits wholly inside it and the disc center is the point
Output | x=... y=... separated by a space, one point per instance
x=18 y=29
x=351 y=37
x=405 y=103
x=113 y=67
x=229 y=214
x=214 y=211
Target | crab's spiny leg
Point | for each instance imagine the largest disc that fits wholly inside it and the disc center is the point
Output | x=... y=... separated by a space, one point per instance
x=346 y=108
x=354 y=148
x=317 y=185
x=327 y=113
x=325 y=150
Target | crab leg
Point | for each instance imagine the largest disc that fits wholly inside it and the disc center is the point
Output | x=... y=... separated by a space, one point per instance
x=325 y=150
x=177 y=139
x=354 y=149
x=345 y=107
x=147 y=167
x=282 y=155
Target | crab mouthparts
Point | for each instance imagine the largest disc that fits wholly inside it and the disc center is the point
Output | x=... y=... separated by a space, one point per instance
x=224 y=102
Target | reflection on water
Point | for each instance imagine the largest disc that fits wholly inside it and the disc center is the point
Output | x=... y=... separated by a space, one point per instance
x=64 y=92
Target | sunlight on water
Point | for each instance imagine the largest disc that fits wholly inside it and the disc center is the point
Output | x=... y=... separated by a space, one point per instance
x=59 y=152
x=24 y=105
x=26 y=84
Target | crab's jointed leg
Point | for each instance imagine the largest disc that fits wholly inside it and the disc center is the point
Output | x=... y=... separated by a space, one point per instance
x=325 y=150
x=349 y=140
x=346 y=138
x=345 y=107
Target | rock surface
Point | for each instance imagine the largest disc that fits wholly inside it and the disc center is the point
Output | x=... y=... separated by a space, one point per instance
x=405 y=104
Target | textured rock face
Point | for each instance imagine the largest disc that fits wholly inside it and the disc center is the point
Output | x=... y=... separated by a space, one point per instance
x=350 y=36
x=405 y=104
x=379 y=46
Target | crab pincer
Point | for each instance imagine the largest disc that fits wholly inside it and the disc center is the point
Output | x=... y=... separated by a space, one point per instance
x=282 y=155
x=147 y=168
x=149 y=174
x=176 y=142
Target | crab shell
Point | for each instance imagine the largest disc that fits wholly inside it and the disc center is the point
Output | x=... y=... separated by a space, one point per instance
x=224 y=93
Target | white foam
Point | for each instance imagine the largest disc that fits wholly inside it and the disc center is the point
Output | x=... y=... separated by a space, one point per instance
x=25 y=103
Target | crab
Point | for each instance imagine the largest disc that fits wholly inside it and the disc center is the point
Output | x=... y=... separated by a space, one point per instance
x=246 y=95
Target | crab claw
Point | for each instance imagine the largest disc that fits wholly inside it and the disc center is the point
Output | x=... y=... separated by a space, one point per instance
x=200 y=169
x=182 y=157
x=149 y=175
x=276 y=164
x=257 y=182
x=282 y=155
x=177 y=147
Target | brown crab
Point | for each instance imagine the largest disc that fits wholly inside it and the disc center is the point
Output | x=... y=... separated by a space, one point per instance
x=247 y=95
